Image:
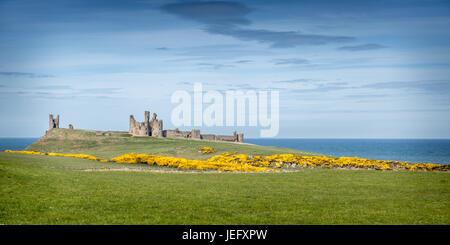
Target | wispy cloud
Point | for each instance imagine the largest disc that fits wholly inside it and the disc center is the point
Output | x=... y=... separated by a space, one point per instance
x=300 y=80
x=54 y=87
x=219 y=13
x=277 y=39
x=291 y=61
x=243 y=61
x=99 y=91
x=24 y=74
x=227 y=18
x=324 y=87
x=218 y=52
x=362 y=47
x=434 y=86
x=215 y=66
x=437 y=87
x=64 y=92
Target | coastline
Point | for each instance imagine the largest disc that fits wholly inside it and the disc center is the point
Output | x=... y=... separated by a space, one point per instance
x=321 y=146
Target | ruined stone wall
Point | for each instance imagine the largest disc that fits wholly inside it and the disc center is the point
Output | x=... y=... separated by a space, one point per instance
x=195 y=134
x=140 y=128
x=156 y=127
x=240 y=138
x=229 y=138
x=176 y=134
x=53 y=122
x=208 y=137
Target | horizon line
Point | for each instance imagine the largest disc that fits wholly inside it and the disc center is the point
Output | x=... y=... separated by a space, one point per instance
x=424 y=138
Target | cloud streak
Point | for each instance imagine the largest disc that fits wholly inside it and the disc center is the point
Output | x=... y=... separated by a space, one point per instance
x=227 y=18
x=215 y=66
x=362 y=47
x=24 y=74
x=277 y=39
x=433 y=86
x=292 y=61
x=219 y=13
x=297 y=81
x=322 y=88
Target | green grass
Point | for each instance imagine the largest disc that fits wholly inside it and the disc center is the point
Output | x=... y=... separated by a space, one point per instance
x=38 y=189
x=80 y=141
x=56 y=190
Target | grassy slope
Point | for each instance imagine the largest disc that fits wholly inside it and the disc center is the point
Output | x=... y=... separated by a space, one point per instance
x=47 y=190
x=56 y=190
x=80 y=141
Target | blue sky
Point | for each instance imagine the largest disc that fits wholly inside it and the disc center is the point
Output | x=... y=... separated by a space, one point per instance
x=344 y=69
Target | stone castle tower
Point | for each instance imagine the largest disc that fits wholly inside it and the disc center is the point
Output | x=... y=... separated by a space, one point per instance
x=53 y=122
x=156 y=126
x=148 y=127
x=140 y=128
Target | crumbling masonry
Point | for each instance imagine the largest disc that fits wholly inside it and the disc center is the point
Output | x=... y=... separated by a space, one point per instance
x=154 y=128
x=53 y=122
x=146 y=128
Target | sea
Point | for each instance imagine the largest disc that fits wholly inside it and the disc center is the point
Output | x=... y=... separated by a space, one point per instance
x=405 y=150
x=16 y=144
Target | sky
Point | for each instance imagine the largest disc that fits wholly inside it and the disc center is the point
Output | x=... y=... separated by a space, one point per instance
x=343 y=69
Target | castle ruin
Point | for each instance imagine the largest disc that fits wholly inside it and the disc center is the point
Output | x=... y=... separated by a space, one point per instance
x=53 y=122
x=154 y=127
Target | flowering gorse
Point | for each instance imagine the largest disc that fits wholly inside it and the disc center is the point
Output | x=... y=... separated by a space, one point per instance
x=289 y=160
x=247 y=163
x=183 y=163
x=206 y=150
x=82 y=156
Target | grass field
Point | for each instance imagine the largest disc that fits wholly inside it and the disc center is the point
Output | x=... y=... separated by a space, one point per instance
x=59 y=190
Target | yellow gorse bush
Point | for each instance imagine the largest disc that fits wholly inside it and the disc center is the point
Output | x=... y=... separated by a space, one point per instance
x=82 y=156
x=183 y=163
x=289 y=160
x=246 y=163
x=26 y=152
x=242 y=162
x=206 y=150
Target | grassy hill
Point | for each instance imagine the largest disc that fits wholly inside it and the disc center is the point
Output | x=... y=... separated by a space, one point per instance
x=59 y=190
x=87 y=142
x=42 y=189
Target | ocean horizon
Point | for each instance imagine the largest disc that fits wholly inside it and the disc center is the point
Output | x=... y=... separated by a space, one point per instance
x=405 y=150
